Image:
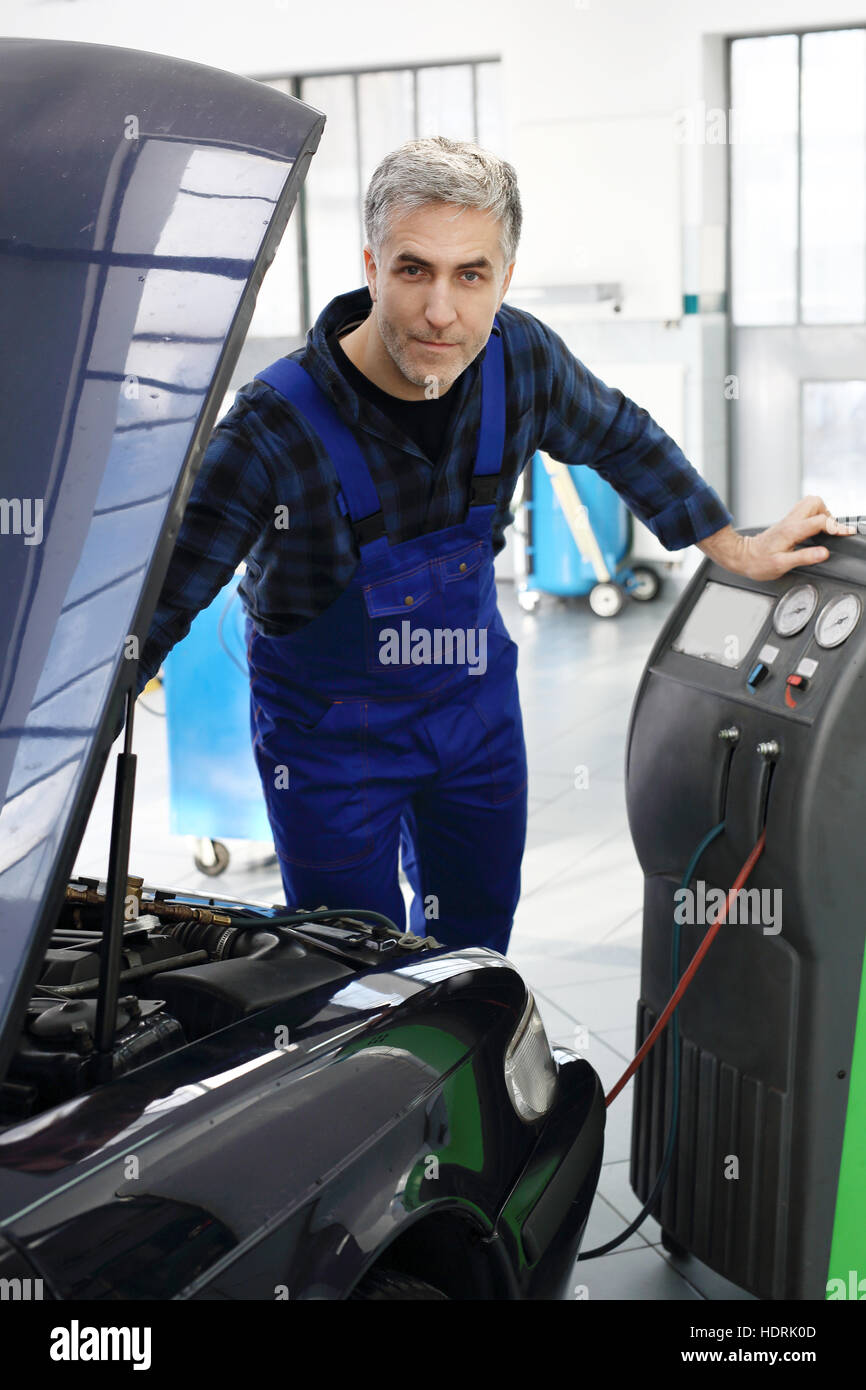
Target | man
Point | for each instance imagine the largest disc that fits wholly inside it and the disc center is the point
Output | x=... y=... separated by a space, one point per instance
x=366 y=481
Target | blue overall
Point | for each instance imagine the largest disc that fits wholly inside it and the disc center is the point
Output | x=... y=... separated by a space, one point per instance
x=371 y=733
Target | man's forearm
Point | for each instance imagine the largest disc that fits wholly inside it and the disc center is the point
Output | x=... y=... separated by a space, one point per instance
x=727 y=548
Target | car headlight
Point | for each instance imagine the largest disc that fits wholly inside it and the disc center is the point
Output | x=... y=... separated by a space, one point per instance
x=530 y=1071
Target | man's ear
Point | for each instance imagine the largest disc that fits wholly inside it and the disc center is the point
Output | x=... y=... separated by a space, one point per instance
x=370 y=271
x=505 y=283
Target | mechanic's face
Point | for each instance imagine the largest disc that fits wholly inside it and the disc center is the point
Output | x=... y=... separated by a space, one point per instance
x=439 y=280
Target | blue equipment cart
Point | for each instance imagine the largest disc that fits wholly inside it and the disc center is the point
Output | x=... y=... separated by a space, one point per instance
x=214 y=784
x=577 y=538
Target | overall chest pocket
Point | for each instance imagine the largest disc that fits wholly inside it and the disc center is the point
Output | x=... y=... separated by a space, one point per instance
x=468 y=585
x=461 y=566
x=413 y=620
x=399 y=610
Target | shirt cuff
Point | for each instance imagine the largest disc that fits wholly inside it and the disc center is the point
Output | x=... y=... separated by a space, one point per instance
x=690 y=519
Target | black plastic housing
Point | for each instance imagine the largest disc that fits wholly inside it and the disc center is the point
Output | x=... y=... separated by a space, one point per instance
x=768 y=1023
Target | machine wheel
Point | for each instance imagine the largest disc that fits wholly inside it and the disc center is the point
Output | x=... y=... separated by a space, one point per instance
x=672 y=1246
x=606 y=600
x=528 y=599
x=211 y=857
x=389 y=1283
x=647 y=584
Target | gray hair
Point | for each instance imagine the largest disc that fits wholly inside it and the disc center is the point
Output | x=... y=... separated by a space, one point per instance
x=439 y=170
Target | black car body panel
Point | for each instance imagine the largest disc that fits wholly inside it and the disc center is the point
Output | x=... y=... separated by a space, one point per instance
x=275 y=1107
x=237 y=1168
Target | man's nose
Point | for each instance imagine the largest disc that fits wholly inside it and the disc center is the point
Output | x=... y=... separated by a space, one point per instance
x=439 y=309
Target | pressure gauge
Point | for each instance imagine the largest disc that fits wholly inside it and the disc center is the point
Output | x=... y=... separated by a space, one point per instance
x=838 y=620
x=794 y=609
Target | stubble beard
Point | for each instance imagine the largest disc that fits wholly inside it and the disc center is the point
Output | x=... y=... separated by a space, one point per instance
x=399 y=349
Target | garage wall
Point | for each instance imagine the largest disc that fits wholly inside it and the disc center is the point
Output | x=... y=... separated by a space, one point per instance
x=604 y=122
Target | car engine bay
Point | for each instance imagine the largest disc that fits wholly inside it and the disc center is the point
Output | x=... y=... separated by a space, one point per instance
x=188 y=968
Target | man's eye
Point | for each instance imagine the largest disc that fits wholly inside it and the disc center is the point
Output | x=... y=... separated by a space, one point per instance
x=407 y=269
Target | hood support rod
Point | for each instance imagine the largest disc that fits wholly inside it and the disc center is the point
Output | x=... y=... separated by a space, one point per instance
x=115 y=900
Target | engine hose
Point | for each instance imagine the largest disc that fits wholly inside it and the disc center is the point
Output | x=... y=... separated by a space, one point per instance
x=135 y=972
x=259 y=936
x=255 y=938
x=200 y=936
x=327 y=914
x=669 y=1013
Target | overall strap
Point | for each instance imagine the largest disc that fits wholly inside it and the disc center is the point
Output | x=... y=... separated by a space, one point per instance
x=491 y=435
x=360 y=499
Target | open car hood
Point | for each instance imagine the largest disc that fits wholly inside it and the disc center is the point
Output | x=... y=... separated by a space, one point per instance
x=143 y=199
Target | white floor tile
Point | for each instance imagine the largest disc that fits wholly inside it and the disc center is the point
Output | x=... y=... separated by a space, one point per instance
x=632 y=1275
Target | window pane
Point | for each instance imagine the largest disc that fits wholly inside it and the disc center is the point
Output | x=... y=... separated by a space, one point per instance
x=278 y=307
x=334 y=239
x=491 y=124
x=834 y=444
x=764 y=101
x=834 y=177
x=445 y=102
x=387 y=116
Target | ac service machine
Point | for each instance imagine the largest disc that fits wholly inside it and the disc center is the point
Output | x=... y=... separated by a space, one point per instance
x=746 y=765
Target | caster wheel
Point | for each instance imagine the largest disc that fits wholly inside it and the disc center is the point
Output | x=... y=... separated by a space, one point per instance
x=646 y=584
x=672 y=1246
x=529 y=600
x=606 y=600
x=211 y=857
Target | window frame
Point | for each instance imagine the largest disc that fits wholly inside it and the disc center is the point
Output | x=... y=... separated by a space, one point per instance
x=294 y=81
x=798 y=32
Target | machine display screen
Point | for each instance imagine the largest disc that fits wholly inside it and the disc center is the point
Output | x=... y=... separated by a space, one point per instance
x=723 y=624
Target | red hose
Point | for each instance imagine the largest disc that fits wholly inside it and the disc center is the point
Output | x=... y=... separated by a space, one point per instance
x=690 y=971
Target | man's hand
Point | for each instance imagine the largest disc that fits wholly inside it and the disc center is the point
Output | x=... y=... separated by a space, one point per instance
x=770 y=553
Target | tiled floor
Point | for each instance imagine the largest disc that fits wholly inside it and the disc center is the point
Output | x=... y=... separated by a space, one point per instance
x=577 y=934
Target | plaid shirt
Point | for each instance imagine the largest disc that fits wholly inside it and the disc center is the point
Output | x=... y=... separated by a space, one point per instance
x=262 y=456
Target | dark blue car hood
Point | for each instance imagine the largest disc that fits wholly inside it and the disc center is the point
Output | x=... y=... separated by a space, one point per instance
x=143 y=199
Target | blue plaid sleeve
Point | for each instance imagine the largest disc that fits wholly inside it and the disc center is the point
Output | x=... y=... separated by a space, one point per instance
x=229 y=505
x=592 y=423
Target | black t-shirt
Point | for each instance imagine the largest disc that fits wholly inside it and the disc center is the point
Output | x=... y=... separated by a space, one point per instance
x=425 y=422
